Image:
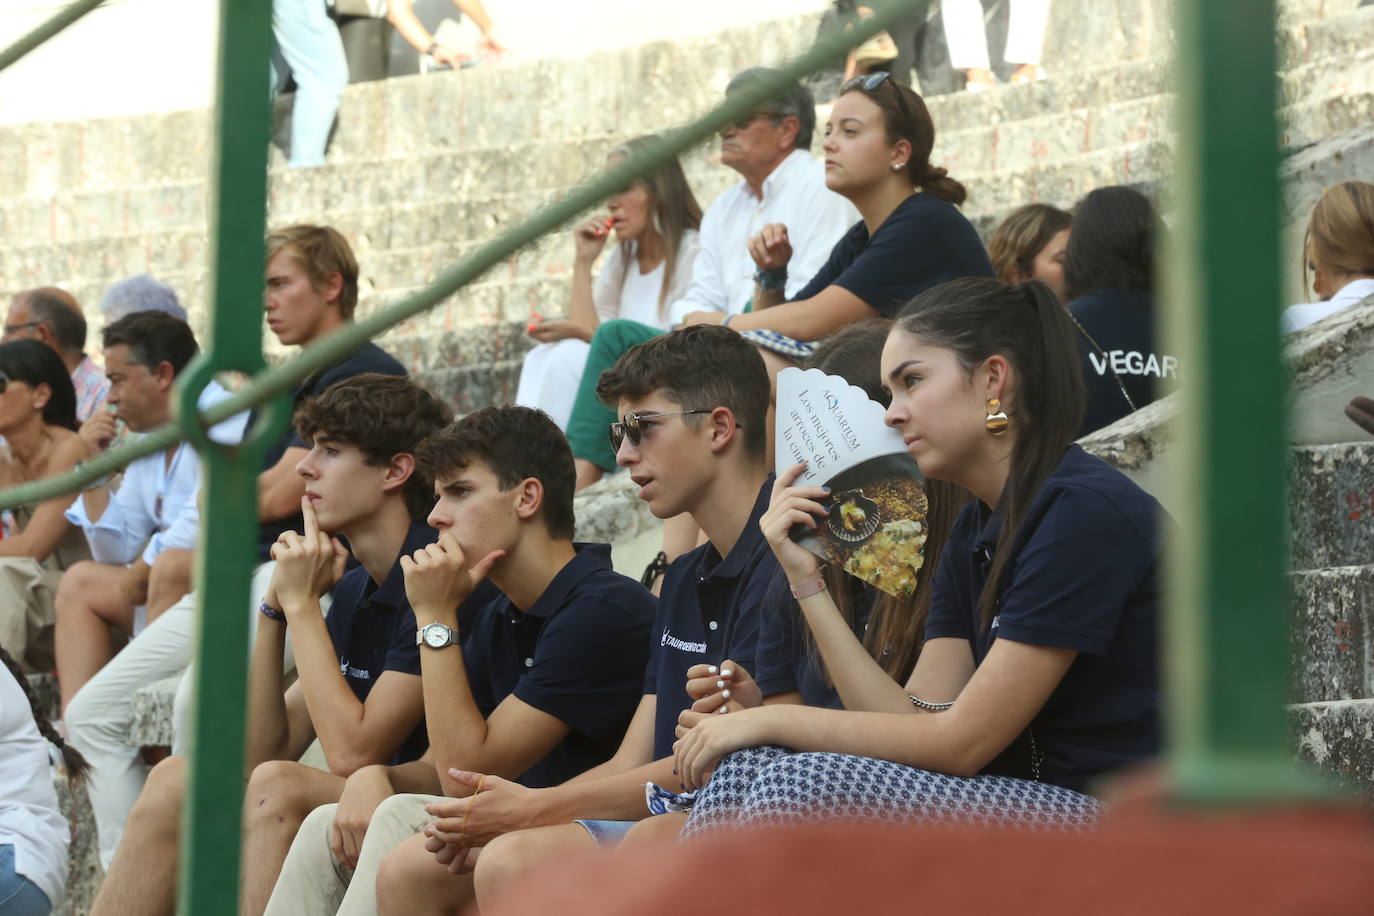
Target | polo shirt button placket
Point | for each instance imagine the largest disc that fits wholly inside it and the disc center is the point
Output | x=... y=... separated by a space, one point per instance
x=529 y=663
x=713 y=625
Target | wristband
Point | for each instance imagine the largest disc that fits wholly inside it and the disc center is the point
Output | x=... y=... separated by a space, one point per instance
x=725 y=322
x=807 y=589
x=771 y=279
x=433 y=46
x=270 y=612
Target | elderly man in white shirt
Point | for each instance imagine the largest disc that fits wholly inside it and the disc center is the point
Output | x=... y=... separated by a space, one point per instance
x=780 y=183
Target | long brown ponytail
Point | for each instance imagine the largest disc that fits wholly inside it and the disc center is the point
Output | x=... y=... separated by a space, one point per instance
x=76 y=764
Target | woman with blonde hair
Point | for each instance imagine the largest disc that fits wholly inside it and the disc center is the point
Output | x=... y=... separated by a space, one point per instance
x=1031 y=244
x=1338 y=251
x=655 y=220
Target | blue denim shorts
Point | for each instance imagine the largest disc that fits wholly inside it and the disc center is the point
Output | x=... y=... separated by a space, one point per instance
x=607 y=834
x=18 y=895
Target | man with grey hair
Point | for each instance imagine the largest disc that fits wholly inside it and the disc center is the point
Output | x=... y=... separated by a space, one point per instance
x=53 y=316
x=140 y=293
x=780 y=183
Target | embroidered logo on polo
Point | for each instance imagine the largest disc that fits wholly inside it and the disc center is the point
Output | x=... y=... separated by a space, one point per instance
x=681 y=644
x=347 y=670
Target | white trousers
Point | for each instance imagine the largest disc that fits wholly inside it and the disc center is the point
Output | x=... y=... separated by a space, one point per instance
x=101 y=714
x=550 y=376
x=312 y=883
x=968 y=40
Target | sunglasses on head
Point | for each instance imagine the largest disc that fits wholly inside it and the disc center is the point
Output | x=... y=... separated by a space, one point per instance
x=631 y=426
x=872 y=81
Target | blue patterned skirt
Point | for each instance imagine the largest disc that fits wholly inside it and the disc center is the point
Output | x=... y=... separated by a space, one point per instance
x=771 y=785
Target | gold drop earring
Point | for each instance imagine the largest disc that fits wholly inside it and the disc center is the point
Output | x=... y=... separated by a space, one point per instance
x=997 y=421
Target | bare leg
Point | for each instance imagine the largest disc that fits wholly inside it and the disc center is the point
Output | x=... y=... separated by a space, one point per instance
x=89 y=601
x=411 y=883
x=142 y=877
x=280 y=795
x=511 y=855
x=587 y=473
x=169 y=580
x=653 y=831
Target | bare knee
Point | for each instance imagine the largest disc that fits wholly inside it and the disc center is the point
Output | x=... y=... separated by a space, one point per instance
x=276 y=794
x=75 y=586
x=508 y=856
x=159 y=805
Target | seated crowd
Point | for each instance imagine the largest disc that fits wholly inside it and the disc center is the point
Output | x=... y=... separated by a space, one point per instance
x=446 y=690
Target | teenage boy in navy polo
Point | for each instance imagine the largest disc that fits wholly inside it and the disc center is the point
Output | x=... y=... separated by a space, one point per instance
x=359 y=686
x=549 y=675
x=692 y=434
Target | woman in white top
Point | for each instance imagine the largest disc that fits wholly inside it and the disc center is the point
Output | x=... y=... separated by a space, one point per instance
x=33 y=832
x=655 y=221
x=1339 y=251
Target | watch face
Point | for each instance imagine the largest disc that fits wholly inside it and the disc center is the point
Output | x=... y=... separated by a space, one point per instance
x=436 y=636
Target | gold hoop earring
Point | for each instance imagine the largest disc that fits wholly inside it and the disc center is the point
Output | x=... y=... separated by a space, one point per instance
x=997 y=421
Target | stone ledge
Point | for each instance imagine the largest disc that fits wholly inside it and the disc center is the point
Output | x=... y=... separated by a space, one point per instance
x=1338 y=737
x=152 y=722
x=1332 y=634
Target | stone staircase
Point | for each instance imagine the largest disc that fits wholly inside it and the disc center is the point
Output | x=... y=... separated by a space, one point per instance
x=422 y=170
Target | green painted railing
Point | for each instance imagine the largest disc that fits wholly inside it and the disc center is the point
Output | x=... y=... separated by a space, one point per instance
x=1226 y=691
x=1230 y=607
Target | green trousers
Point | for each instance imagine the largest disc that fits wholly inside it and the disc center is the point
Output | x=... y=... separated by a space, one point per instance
x=589 y=424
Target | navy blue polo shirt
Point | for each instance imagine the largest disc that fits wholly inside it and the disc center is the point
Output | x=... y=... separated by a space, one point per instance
x=368 y=358
x=373 y=628
x=1122 y=324
x=708 y=611
x=1084 y=576
x=786 y=660
x=921 y=244
x=578 y=654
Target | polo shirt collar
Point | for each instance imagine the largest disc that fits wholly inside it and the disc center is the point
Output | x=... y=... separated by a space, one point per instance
x=590 y=558
x=990 y=521
x=741 y=556
x=392 y=592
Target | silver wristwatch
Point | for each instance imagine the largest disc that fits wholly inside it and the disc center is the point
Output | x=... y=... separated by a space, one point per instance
x=436 y=636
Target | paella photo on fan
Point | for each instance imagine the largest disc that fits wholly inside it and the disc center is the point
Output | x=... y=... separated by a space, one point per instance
x=876 y=529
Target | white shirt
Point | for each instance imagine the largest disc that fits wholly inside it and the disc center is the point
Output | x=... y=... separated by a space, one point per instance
x=794 y=195
x=1300 y=316
x=621 y=291
x=156 y=502
x=30 y=819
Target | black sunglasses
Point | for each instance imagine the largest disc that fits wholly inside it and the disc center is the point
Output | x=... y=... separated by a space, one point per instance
x=872 y=81
x=744 y=121
x=631 y=426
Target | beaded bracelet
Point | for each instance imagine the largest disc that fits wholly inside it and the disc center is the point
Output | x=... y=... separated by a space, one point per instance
x=927 y=705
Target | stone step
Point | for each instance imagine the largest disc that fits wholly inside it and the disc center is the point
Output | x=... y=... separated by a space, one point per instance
x=1338 y=738
x=1335 y=36
x=469 y=388
x=1333 y=634
x=1331 y=505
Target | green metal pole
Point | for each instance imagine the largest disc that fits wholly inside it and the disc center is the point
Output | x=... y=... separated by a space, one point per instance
x=59 y=21
x=1227 y=634
x=229 y=519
